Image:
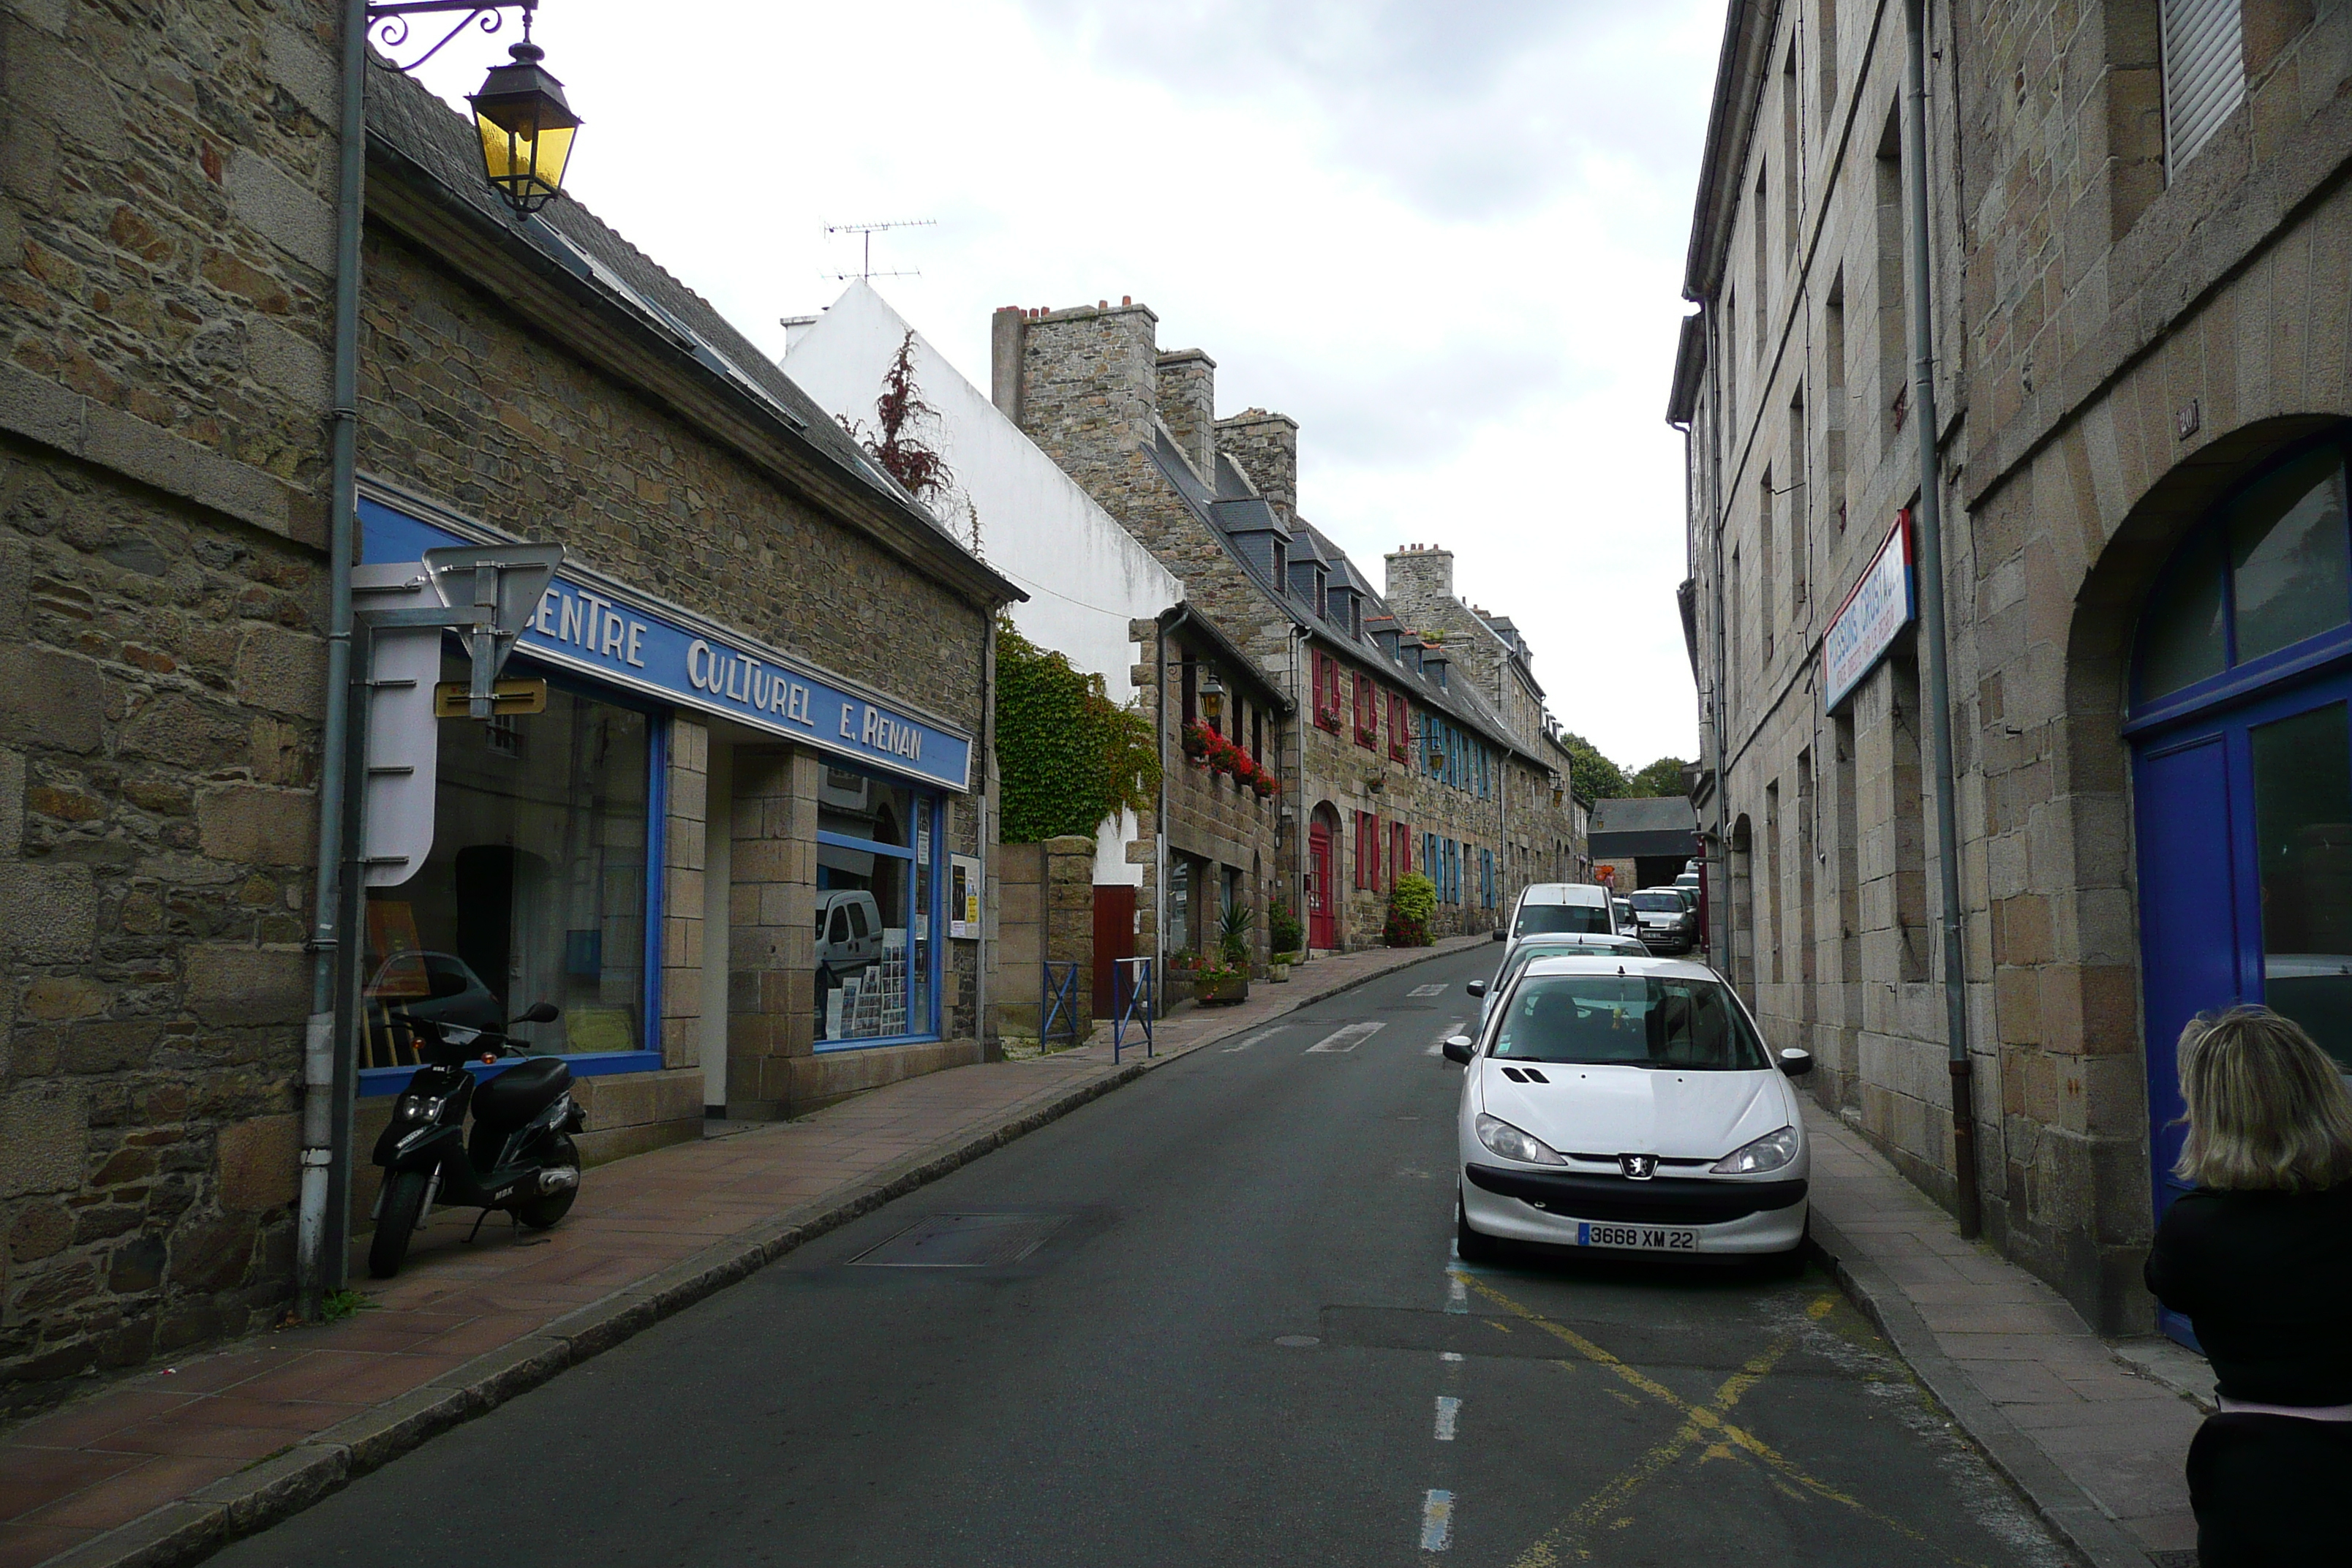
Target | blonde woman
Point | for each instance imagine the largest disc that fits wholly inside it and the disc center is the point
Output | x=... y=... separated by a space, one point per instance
x=2259 y=1259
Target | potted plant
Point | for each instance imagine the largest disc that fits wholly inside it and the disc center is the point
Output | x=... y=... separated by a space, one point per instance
x=1220 y=982
x=1286 y=934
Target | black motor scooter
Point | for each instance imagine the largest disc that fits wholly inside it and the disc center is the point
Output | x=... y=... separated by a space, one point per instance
x=520 y=1158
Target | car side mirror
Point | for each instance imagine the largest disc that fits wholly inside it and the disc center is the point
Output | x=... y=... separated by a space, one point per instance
x=1498 y=933
x=1476 y=988
x=1457 y=1048
x=538 y=1012
x=1796 y=1063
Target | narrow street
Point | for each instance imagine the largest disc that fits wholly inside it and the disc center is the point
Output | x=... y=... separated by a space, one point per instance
x=1239 y=1338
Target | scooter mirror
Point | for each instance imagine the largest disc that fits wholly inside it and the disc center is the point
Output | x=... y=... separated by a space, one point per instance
x=538 y=1012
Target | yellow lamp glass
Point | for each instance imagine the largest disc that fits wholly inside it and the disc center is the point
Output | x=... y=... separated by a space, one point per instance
x=525 y=128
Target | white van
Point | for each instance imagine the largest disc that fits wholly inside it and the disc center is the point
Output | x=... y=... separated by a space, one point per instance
x=1575 y=908
x=848 y=930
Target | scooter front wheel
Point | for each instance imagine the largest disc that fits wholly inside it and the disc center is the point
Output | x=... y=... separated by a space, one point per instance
x=540 y=1214
x=404 y=1201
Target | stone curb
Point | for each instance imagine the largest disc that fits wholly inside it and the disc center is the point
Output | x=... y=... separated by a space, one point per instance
x=286 y=1483
x=2078 y=1522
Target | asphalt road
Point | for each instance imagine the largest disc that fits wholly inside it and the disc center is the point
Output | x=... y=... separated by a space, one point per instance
x=1242 y=1340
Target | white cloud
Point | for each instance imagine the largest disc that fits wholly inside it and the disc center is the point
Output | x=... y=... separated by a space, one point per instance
x=1446 y=238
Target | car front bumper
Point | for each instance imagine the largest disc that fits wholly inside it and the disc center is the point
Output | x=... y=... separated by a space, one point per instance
x=1534 y=1208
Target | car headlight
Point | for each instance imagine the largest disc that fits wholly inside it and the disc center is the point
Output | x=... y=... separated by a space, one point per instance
x=1512 y=1144
x=1769 y=1152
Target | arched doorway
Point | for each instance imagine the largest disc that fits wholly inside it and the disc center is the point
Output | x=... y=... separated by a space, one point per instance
x=2240 y=717
x=1322 y=886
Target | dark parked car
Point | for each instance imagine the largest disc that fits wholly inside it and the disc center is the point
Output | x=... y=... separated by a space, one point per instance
x=1668 y=923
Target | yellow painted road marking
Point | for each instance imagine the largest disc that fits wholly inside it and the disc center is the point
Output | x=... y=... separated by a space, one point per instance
x=1700 y=1422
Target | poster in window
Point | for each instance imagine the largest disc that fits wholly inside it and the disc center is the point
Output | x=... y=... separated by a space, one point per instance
x=963 y=897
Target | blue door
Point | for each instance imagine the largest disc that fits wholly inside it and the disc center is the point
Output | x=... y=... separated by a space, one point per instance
x=2246 y=872
x=2188 y=925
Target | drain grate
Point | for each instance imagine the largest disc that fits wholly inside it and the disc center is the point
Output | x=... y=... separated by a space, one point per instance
x=964 y=1241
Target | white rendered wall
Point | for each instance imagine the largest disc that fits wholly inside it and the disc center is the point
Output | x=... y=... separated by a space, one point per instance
x=1086 y=577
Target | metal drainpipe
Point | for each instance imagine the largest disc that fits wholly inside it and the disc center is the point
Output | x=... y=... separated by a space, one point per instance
x=315 y=1271
x=1298 y=802
x=1159 y=707
x=983 y=835
x=1967 y=1203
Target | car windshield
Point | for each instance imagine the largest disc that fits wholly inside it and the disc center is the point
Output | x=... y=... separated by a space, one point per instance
x=1628 y=1020
x=1668 y=903
x=1575 y=919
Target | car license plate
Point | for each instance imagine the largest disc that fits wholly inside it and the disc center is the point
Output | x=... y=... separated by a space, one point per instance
x=1642 y=1237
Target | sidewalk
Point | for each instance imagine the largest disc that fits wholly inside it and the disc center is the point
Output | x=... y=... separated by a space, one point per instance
x=2096 y=1448
x=166 y=1466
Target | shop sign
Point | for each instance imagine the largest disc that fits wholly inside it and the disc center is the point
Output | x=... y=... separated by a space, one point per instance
x=1866 y=625
x=587 y=624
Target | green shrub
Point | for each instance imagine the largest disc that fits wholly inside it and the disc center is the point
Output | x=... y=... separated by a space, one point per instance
x=1411 y=903
x=1284 y=930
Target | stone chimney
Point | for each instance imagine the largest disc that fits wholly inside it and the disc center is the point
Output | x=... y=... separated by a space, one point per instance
x=1265 y=446
x=1188 y=406
x=1420 y=580
x=1083 y=383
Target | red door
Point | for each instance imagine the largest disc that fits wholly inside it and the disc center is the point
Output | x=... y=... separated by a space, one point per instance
x=1322 y=928
x=1114 y=939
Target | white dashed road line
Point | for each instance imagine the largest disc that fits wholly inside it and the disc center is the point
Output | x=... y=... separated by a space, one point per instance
x=1457 y=1297
x=1346 y=1039
x=1448 y=1408
x=1261 y=1036
x=1437 y=1046
x=1437 y=1520
x=1426 y=991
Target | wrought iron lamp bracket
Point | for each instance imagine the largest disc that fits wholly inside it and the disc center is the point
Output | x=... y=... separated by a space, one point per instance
x=388 y=26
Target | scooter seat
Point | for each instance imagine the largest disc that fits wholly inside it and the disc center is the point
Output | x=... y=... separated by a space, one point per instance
x=521 y=1092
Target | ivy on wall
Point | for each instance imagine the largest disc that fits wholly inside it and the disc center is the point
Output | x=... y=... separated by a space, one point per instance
x=1069 y=756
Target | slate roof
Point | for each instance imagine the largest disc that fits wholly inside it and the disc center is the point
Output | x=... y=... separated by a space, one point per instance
x=411 y=125
x=1214 y=507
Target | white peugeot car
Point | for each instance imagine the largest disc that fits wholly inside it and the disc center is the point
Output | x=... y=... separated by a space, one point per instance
x=1628 y=1103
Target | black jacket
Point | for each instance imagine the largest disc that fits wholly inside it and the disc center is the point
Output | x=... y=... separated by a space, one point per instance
x=2265 y=1278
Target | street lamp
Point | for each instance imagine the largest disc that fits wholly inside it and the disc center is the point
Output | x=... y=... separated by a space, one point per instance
x=525 y=128
x=1213 y=698
x=521 y=114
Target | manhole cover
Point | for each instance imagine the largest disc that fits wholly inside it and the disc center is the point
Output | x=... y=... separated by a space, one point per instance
x=964 y=1241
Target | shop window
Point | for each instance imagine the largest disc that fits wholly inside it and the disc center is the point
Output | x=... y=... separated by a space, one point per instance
x=536 y=888
x=1179 y=932
x=876 y=951
x=2273 y=572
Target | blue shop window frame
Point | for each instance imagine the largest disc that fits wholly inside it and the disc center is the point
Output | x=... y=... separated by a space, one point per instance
x=932 y=819
x=376 y=1081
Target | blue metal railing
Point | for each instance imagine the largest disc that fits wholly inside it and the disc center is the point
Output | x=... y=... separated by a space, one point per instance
x=1134 y=995
x=1057 y=997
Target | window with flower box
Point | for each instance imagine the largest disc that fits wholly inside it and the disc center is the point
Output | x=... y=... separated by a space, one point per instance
x=1326 y=691
x=1368 y=712
x=1400 y=729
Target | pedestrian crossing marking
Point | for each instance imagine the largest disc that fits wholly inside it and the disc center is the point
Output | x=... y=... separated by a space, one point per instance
x=1347 y=1038
x=1426 y=991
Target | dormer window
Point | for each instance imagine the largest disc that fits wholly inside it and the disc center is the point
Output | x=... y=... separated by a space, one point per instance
x=1281 y=562
x=1355 y=615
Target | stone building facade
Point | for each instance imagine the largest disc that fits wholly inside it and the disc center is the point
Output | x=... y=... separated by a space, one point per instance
x=2139 y=330
x=166 y=268
x=164 y=519
x=1391 y=765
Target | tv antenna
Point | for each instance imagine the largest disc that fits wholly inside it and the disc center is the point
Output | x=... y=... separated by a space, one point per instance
x=866 y=233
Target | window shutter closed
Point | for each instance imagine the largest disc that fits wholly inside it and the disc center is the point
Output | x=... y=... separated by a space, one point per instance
x=2204 y=74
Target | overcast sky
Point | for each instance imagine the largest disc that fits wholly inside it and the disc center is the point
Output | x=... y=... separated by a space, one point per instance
x=1444 y=236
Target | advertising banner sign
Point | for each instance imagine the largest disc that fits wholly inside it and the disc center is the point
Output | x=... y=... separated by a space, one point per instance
x=588 y=624
x=1881 y=606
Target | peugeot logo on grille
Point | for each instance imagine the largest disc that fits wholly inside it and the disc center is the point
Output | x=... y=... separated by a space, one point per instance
x=1638 y=1167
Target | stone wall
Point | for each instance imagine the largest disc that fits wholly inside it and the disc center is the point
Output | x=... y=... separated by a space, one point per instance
x=459 y=402
x=1046 y=913
x=165 y=259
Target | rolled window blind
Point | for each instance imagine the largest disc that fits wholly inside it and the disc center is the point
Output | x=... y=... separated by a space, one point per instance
x=2204 y=74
